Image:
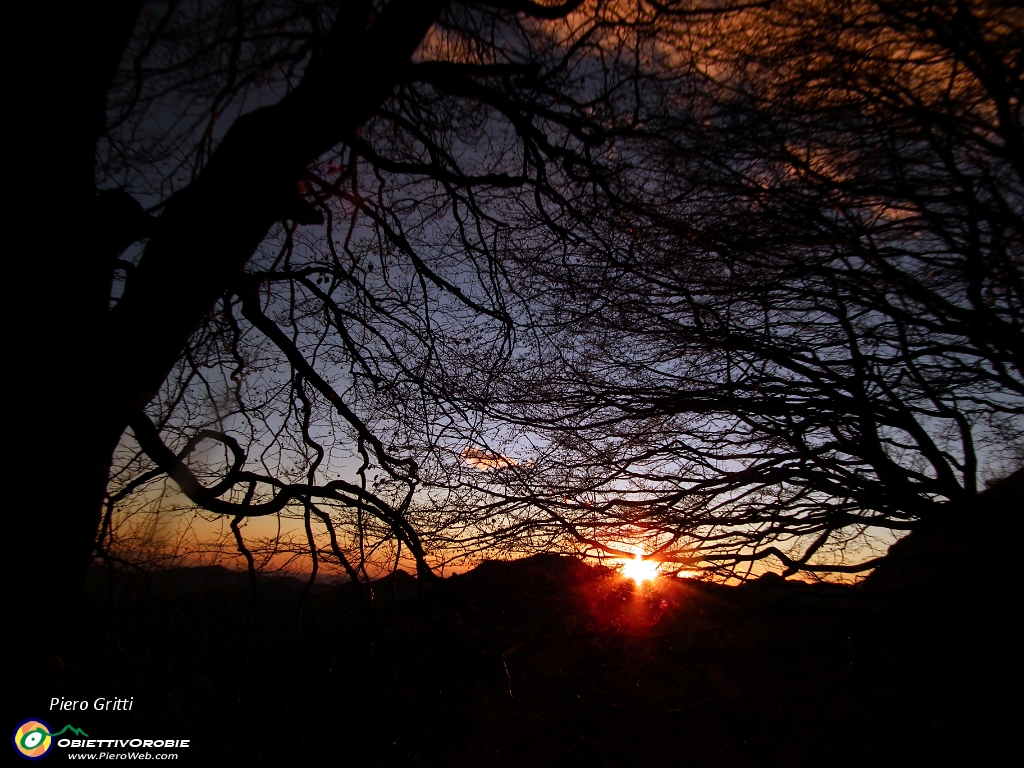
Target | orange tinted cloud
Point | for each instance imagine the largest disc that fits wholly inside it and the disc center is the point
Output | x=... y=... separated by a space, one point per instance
x=485 y=460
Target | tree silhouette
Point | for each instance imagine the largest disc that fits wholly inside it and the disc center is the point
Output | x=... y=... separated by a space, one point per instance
x=284 y=216
x=729 y=280
x=796 y=321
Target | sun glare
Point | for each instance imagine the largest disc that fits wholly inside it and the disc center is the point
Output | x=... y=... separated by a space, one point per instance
x=640 y=570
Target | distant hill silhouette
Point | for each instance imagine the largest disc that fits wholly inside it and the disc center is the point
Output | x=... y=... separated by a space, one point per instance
x=548 y=661
x=961 y=551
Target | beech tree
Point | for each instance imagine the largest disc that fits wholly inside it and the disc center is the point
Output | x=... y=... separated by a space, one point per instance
x=275 y=220
x=725 y=281
x=796 y=321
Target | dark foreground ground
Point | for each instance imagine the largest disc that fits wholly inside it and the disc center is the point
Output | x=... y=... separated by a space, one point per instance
x=548 y=661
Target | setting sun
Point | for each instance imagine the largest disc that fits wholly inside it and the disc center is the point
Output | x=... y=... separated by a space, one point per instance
x=640 y=570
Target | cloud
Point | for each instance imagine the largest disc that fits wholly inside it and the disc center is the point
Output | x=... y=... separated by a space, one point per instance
x=486 y=460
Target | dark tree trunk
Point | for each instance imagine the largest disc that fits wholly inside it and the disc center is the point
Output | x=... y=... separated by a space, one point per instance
x=59 y=287
x=80 y=372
